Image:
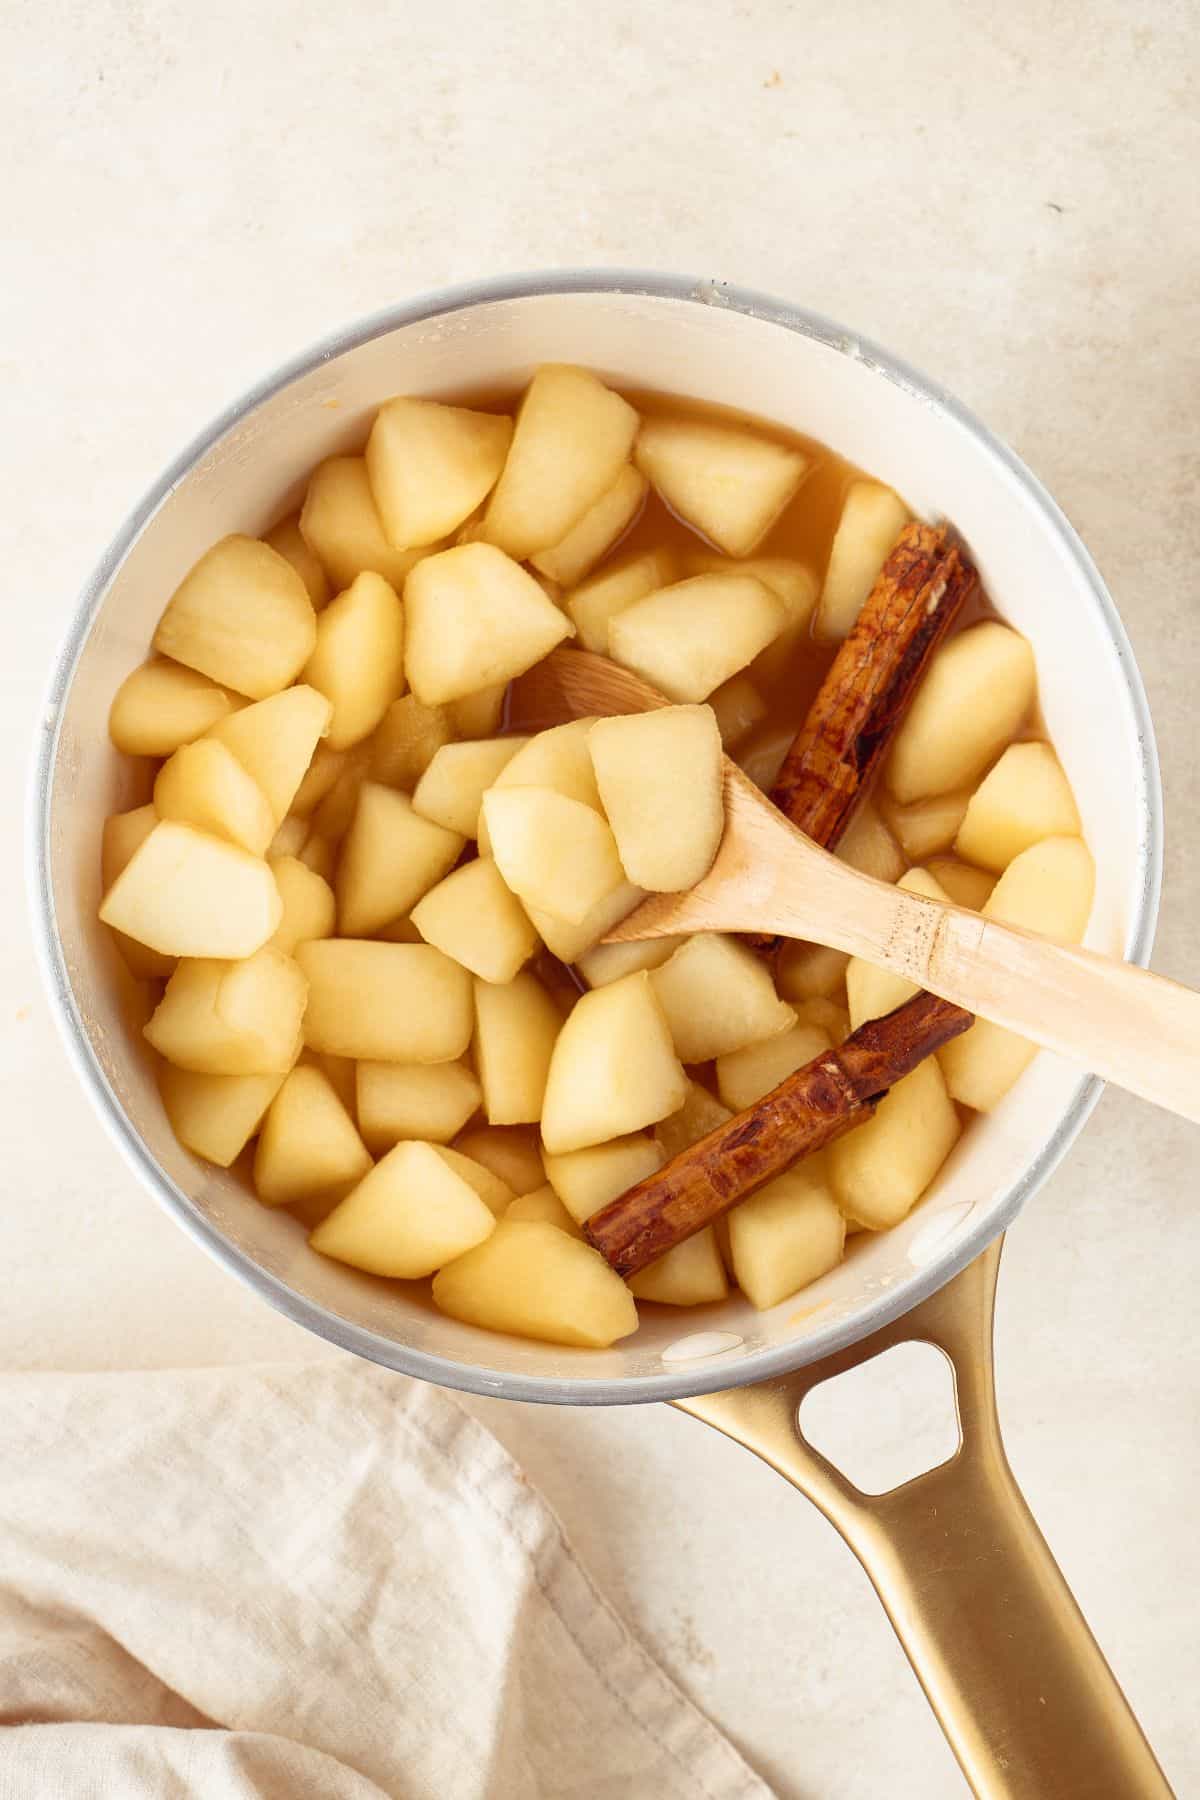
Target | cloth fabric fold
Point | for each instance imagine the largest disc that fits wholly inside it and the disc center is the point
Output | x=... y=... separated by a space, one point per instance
x=275 y=1583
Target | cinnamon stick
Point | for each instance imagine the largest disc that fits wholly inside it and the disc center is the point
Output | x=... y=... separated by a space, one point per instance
x=919 y=591
x=829 y=1096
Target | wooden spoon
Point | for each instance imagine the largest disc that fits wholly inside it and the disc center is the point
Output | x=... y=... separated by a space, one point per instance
x=1131 y=1027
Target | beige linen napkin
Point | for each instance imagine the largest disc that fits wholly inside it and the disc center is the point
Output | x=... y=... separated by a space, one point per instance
x=323 y=1581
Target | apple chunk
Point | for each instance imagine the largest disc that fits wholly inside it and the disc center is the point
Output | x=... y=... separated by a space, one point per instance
x=594 y=534
x=288 y=540
x=659 y=775
x=613 y=1070
x=431 y=1101
x=391 y=857
x=215 y=1116
x=451 y=789
x=871 y=991
x=558 y=759
x=873 y=517
x=730 y=483
x=689 y=638
x=597 y=601
x=358 y=661
x=511 y=1153
x=409 y=1215
x=474 y=917
x=185 y=893
x=340 y=523
x=586 y=1180
x=123 y=834
x=231 y=1018
x=881 y=1169
x=162 y=705
x=977 y=690
x=430 y=465
x=572 y=437
x=543 y=1204
x=718 y=997
x=309 y=908
x=308 y=1148
x=555 y=854
x=516 y=1025
x=744 y=1076
x=690 y=1274
x=533 y=1280
x=385 y=1002
x=275 y=741
x=241 y=616
x=1024 y=798
x=475 y=617
x=786 y=1235
x=205 y=785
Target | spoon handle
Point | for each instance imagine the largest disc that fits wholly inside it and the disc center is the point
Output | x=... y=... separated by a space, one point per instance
x=1127 y=1025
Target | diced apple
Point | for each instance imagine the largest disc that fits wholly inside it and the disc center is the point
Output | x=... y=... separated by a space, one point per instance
x=543 y=1205
x=475 y=617
x=586 y=1180
x=474 y=917
x=659 y=775
x=452 y=787
x=339 y=1071
x=869 y=846
x=385 y=1002
x=430 y=466
x=737 y=707
x=871 y=991
x=1047 y=888
x=555 y=854
x=608 y=962
x=809 y=971
x=163 y=705
x=309 y=1148
x=340 y=523
x=406 y=741
x=358 y=661
x=516 y=1026
x=205 y=785
x=495 y=1192
x=827 y=1015
x=241 y=616
x=788 y=1234
x=431 y=1101
x=324 y=771
x=795 y=584
x=873 y=517
x=558 y=758
x=613 y=1069
x=391 y=857
x=185 y=893
x=928 y=825
x=275 y=741
x=596 y=602
x=287 y=540
x=478 y=714
x=123 y=833
x=881 y=1169
x=688 y=639
x=730 y=483
x=596 y=531
x=965 y=885
x=509 y=1152
x=333 y=818
x=410 y=1214
x=690 y=1274
x=744 y=1076
x=573 y=436
x=309 y=909
x=215 y=1116
x=1024 y=798
x=569 y=942
x=700 y=1113
x=718 y=996
x=535 y=1281
x=231 y=1018
x=977 y=691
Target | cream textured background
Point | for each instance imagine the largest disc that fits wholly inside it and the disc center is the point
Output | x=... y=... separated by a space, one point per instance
x=1003 y=195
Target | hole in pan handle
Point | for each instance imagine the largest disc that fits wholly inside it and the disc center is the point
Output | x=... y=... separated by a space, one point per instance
x=1018 y=1683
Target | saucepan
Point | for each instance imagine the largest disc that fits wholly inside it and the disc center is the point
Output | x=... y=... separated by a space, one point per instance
x=1025 y=1697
